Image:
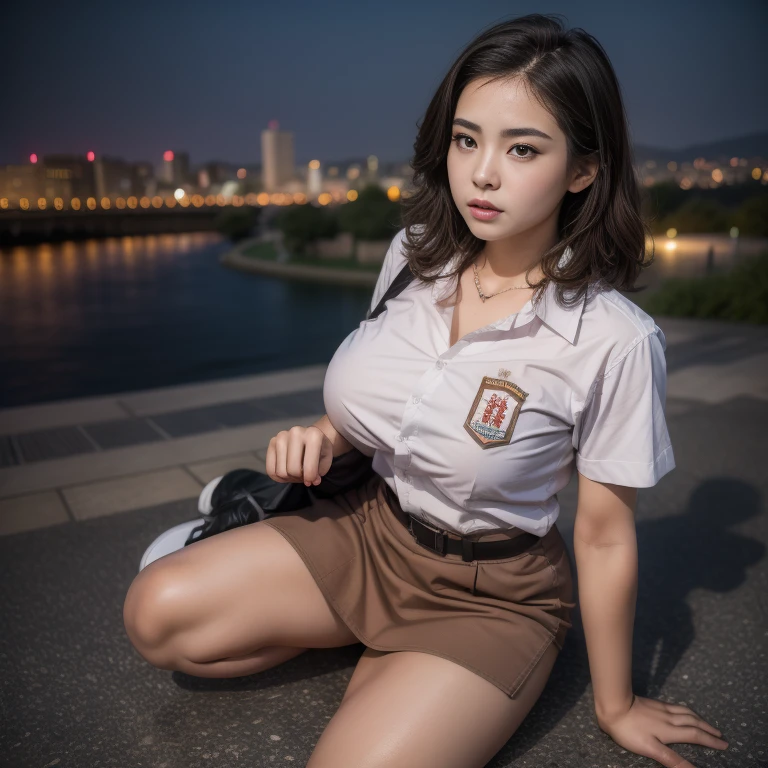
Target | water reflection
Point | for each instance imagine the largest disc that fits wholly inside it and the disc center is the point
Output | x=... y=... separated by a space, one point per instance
x=80 y=318
x=134 y=312
x=21 y=265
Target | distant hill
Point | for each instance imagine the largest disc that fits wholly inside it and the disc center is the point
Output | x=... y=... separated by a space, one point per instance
x=752 y=146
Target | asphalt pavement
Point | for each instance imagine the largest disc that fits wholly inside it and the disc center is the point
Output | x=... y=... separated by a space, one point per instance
x=76 y=693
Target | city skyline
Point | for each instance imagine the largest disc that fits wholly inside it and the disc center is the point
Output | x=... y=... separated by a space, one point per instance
x=207 y=81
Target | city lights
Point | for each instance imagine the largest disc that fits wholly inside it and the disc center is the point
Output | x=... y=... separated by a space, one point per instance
x=63 y=184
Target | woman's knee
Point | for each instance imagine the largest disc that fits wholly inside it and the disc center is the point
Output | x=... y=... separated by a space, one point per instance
x=155 y=613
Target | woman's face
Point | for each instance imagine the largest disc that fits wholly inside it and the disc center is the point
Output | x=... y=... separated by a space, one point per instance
x=524 y=175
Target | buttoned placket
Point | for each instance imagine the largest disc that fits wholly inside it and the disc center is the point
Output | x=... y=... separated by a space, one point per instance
x=433 y=377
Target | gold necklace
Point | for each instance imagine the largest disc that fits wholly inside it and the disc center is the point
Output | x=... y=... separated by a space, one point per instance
x=484 y=296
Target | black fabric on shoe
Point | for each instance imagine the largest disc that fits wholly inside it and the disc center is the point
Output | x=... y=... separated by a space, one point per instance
x=245 y=496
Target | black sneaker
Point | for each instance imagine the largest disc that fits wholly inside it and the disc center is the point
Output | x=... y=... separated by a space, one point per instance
x=240 y=497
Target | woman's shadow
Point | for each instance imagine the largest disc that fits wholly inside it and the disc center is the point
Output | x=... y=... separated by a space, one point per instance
x=677 y=555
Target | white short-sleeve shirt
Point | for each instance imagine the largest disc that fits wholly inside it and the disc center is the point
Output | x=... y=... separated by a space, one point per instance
x=480 y=436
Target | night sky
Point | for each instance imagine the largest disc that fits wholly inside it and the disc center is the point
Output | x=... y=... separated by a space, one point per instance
x=349 y=79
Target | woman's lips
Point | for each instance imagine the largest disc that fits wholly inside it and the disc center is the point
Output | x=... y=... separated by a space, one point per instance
x=483 y=214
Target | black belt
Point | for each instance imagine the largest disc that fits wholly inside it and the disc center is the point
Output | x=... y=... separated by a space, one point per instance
x=442 y=542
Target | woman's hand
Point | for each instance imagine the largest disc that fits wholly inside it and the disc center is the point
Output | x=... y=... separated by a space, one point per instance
x=649 y=724
x=299 y=455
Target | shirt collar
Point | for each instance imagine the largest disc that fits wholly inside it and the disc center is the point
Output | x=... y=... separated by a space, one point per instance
x=562 y=320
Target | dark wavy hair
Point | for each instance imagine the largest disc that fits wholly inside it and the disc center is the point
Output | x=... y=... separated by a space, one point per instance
x=570 y=75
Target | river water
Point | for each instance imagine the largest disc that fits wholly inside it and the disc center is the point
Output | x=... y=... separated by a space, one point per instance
x=97 y=317
x=102 y=316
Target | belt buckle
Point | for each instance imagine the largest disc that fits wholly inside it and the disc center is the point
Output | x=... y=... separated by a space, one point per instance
x=440 y=537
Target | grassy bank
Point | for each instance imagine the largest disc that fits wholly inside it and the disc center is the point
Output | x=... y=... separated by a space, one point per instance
x=740 y=295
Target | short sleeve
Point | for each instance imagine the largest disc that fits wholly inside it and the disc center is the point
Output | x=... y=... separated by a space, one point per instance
x=392 y=264
x=622 y=436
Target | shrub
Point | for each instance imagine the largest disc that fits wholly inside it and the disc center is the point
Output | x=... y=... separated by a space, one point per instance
x=303 y=224
x=373 y=216
x=752 y=217
x=237 y=223
x=698 y=215
x=739 y=295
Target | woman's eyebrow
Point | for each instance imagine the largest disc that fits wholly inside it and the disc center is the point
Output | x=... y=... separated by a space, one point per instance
x=508 y=133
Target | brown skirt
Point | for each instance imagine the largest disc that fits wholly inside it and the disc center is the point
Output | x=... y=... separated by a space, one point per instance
x=494 y=617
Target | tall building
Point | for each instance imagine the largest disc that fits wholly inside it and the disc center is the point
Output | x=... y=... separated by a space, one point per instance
x=214 y=173
x=34 y=181
x=77 y=168
x=175 y=168
x=314 y=178
x=277 y=157
x=115 y=177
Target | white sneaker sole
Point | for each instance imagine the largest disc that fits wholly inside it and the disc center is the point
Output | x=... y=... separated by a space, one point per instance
x=204 y=505
x=171 y=540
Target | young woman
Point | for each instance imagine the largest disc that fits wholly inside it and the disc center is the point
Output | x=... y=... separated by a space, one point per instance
x=510 y=360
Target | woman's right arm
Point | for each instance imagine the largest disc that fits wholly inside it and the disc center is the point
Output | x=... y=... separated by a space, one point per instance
x=340 y=444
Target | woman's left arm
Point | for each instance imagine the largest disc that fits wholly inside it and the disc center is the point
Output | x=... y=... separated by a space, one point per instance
x=605 y=546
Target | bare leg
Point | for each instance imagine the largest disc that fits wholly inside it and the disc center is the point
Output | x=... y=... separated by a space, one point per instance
x=409 y=709
x=250 y=664
x=235 y=604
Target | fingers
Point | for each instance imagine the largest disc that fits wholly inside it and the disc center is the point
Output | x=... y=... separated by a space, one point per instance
x=692 y=734
x=312 y=444
x=293 y=455
x=679 y=711
x=668 y=757
x=694 y=720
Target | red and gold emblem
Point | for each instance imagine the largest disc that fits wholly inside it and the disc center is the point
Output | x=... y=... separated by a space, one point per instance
x=493 y=415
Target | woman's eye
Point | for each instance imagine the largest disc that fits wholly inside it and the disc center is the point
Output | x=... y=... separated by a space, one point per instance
x=458 y=138
x=528 y=151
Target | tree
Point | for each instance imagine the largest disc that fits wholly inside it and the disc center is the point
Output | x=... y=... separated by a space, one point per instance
x=373 y=216
x=697 y=216
x=752 y=217
x=303 y=224
x=237 y=223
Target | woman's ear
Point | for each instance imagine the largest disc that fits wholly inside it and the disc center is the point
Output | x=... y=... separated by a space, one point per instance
x=584 y=175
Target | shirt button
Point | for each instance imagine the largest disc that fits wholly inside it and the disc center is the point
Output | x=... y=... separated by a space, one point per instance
x=440 y=363
x=400 y=438
x=416 y=399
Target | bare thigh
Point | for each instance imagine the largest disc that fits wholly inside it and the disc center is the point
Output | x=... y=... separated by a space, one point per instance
x=228 y=596
x=409 y=708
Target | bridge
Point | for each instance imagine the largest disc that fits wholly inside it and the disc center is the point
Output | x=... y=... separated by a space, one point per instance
x=19 y=227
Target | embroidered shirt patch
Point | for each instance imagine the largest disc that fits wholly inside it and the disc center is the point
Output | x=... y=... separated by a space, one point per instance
x=492 y=418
